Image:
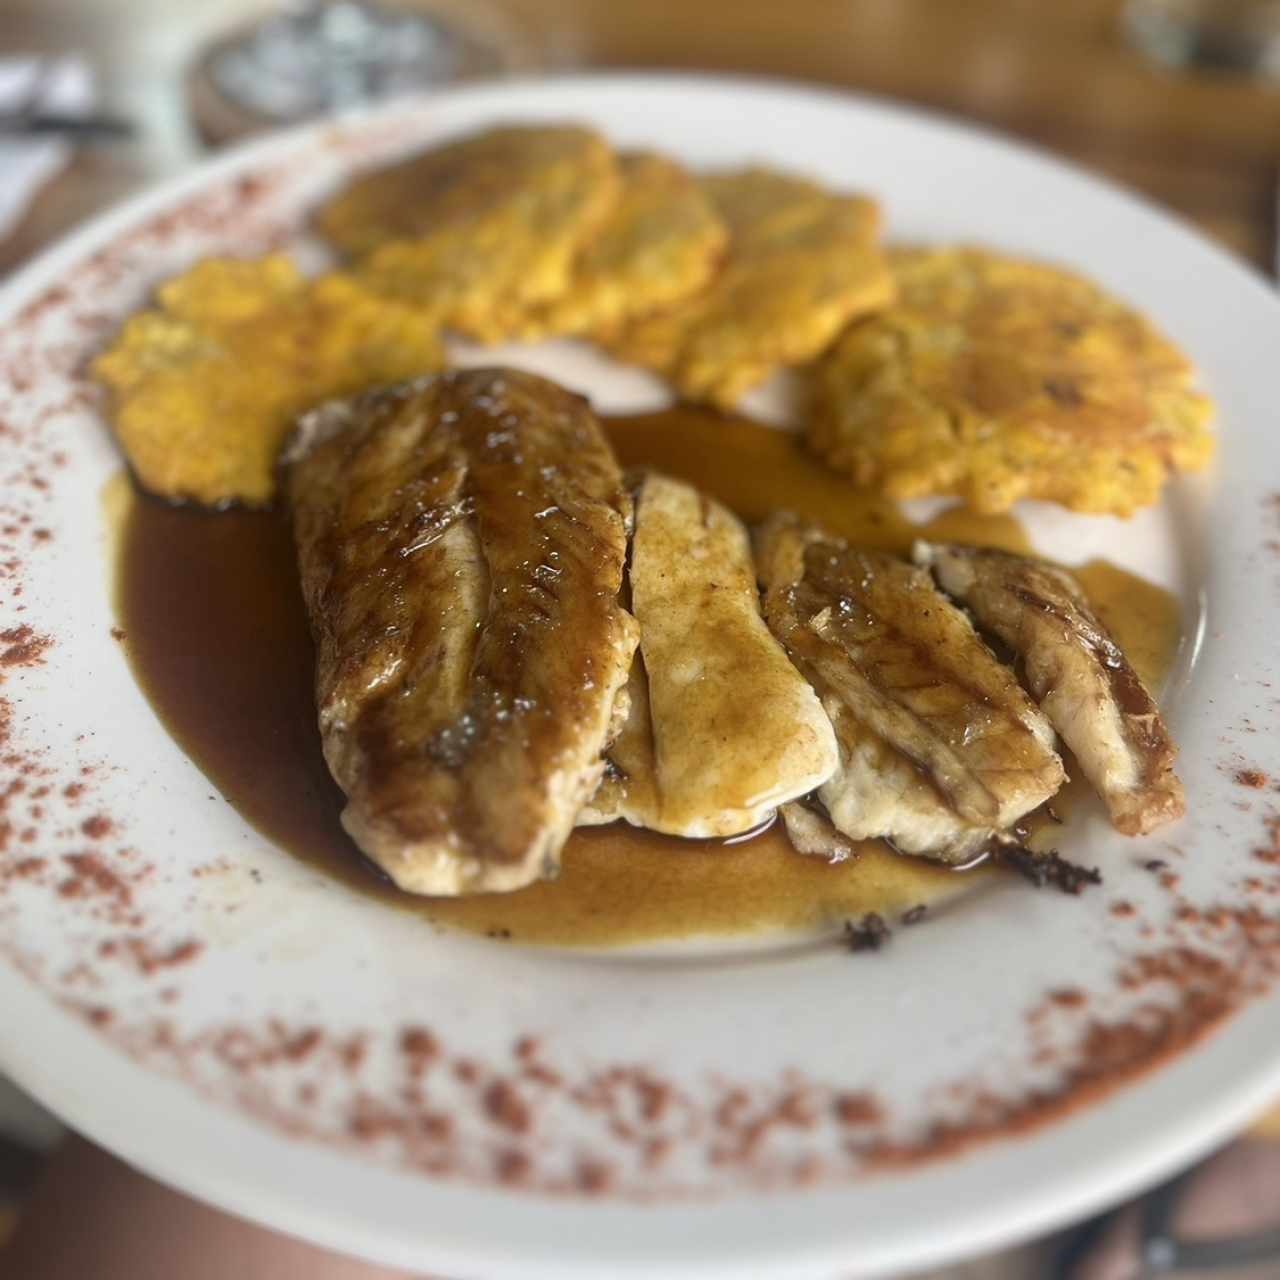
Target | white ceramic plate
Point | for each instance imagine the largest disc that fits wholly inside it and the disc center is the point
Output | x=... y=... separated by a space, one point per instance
x=234 y=1023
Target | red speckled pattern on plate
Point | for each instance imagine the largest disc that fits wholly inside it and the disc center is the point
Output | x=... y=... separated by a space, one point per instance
x=134 y=897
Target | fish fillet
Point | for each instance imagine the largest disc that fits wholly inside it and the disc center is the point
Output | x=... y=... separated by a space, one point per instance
x=629 y=788
x=461 y=541
x=939 y=746
x=729 y=730
x=1077 y=673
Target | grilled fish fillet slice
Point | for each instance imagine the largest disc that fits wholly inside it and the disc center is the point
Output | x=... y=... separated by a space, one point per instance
x=812 y=832
x=461 y=542
x=939 y=745
x=1077 y=673
x=733 y=730
x=879 y=792
x=629 y=788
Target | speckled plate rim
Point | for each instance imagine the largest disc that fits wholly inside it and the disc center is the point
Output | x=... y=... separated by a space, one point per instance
x=872 y=1226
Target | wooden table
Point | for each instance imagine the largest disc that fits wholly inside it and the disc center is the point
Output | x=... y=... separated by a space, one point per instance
x=1059 y=74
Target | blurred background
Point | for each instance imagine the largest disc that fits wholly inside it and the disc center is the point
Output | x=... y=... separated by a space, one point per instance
x=1069 y=76
x=1178 y=99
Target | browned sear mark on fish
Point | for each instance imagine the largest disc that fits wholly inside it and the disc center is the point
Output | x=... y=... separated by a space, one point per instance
x=461 y=542
x=1079 y=675
x=939 y=746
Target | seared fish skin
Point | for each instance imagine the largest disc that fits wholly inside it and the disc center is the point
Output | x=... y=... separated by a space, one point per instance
x=940 y=748
x=722 y=728
x=461 y=542
x=1077 y=673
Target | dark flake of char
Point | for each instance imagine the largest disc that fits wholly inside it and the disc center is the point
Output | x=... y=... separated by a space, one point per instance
x=1063 y=391
x=868 y=934
x=1046 y=868
x=915 y=914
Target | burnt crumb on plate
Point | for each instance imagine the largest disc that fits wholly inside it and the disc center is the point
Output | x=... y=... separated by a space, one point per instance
x=868 y=934
x=915 y=914
x=1046 y=868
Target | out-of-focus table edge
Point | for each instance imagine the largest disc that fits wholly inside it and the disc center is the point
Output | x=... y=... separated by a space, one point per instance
x=1204 y=144
x=1236 y=207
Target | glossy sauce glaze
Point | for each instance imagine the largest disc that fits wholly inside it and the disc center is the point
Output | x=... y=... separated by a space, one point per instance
x=217 y=635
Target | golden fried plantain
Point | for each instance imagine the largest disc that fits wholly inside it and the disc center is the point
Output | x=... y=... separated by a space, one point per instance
x=994 y=379
x=480 y=230
x=207 y=384
x=661 y=243
x=801 y=263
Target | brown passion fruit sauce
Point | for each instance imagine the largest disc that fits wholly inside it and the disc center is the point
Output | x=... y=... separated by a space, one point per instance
x=218 y=639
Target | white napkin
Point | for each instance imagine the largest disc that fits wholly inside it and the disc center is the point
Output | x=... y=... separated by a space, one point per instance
x=26 y=164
